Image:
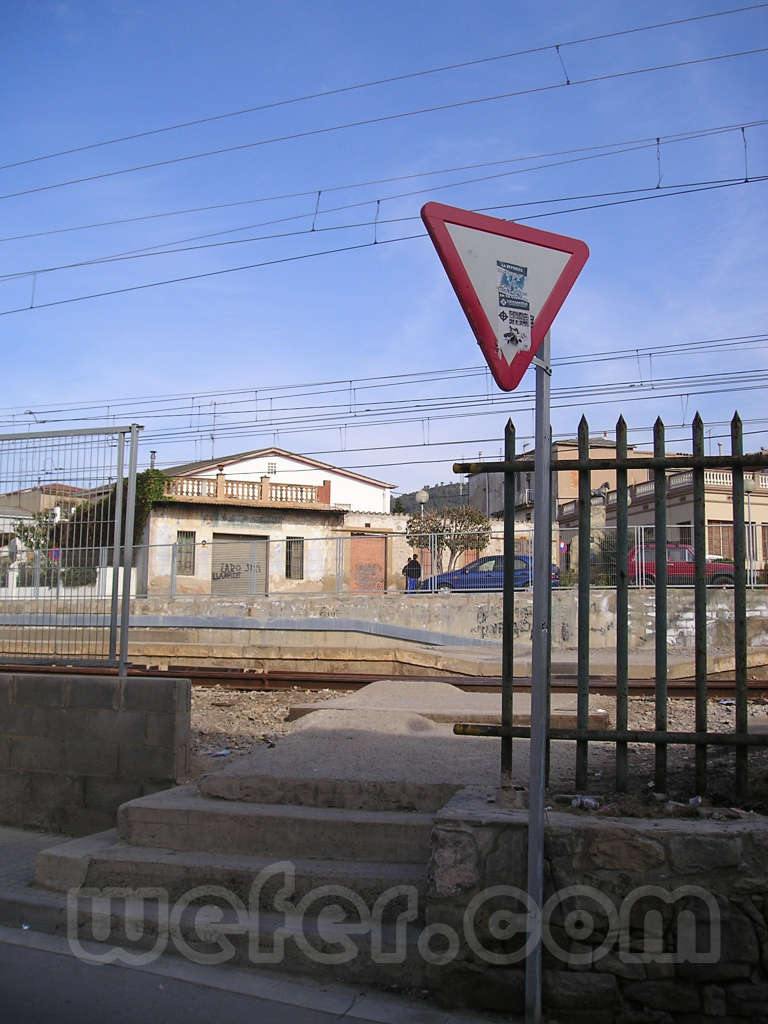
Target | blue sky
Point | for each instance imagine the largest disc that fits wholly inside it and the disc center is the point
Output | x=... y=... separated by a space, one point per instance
x=666 y=271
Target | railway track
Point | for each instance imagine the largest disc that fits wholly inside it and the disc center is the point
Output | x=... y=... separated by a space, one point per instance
x=275 y=680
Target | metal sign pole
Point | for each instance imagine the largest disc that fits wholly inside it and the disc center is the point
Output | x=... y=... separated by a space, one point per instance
x=540 y=666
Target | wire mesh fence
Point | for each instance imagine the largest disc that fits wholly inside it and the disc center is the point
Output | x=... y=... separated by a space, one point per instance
x=66 y=520
x=258 y=566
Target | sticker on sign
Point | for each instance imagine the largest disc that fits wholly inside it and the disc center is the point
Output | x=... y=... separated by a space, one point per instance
x=511 y=281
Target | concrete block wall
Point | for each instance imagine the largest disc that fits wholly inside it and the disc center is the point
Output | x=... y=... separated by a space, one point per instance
x=75 y=747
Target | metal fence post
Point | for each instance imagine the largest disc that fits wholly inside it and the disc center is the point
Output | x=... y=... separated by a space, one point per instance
x=508 y=609
x=130 y=511
x=339 y=564
x=622 y=604
x=660 y=542
x=585 y=553
x=739 y=606
x=116 y=547
x=174 y=569
x=700 y=600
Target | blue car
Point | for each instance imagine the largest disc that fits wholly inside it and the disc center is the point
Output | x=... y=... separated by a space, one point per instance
x=486 y=573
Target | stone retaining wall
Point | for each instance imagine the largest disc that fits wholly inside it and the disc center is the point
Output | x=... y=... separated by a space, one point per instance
x=644 y=920
x=73 y=748
x=477 y=616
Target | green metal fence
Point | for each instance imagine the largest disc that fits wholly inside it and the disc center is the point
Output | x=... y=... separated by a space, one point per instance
x=656 y=568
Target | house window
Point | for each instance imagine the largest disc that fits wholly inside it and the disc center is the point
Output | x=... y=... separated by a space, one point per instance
x=294 y=558
x=720 y=538
x=185 y=553
x=271 y=468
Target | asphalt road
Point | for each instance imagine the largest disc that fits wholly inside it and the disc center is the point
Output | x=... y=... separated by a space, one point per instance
x=42 y=982
x=38 y=987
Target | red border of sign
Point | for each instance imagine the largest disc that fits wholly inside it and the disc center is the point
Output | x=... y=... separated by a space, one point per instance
x=435 y=217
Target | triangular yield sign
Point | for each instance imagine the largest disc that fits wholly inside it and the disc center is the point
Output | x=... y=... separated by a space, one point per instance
x=511 y=281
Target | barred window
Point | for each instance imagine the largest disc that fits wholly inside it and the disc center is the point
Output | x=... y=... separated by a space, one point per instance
x=185 y=552
x=294 y=558
x=271 y=468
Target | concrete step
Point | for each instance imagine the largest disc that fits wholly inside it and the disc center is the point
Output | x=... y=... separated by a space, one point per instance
x=348 y=793
x=349 y=946
x=181 y=819
x=104 y=862
x=442 y=702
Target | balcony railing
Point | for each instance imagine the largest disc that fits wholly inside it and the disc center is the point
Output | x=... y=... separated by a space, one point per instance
x=226 y=491
x=675 y=482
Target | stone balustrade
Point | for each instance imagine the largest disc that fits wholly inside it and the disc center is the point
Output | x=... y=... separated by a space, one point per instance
x=261 y=492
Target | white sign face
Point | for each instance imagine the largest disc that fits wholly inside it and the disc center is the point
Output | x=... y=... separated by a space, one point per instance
x=512 y=279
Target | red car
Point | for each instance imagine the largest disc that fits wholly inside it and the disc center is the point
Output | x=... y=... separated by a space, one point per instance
x=681 y=567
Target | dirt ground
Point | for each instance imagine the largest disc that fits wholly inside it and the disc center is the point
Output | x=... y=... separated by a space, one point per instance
x=238 y=721
x=229 y=723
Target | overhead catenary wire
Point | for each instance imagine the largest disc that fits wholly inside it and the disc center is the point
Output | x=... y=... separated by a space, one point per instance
x=379 y=119
x=456 y=442
x=501 y=409
x=328 y=416
x=141 y=406
x=387 y=80
x=610 y=147
x=656 y=194
x=163 y=248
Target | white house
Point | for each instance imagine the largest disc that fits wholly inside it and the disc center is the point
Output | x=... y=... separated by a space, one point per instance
x=259 y=522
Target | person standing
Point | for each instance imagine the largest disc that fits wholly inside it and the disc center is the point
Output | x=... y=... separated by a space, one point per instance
x=412 y=572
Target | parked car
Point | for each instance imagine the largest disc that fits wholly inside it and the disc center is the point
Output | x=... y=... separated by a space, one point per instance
x=681 y=567
x=486 y=573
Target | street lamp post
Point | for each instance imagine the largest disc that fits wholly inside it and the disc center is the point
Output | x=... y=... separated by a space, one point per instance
x=749 y=486
x=422 y=497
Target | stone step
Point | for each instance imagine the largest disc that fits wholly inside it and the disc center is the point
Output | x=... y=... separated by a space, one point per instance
x=181 y=819
x=355 y=948
x=104 y=862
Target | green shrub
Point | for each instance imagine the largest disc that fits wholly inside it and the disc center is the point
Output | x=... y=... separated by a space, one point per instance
x=79 y=576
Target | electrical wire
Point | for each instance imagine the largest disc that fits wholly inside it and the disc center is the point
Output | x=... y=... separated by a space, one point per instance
x=159 y=250
x=142 y=406
x=661 y=140
x=380 y=81
x=162 y=248
x=380 y=119
x=328 y=415
x=657 y=194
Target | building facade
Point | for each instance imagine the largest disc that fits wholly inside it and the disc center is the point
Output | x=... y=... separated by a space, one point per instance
x=268 y=522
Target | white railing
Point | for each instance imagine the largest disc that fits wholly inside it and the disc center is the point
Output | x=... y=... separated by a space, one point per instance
x=243 y=490
x=293 y=494
x=247 y=492
x=190 y=487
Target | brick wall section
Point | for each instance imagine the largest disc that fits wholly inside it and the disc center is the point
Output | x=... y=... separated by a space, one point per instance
x=73 y=748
